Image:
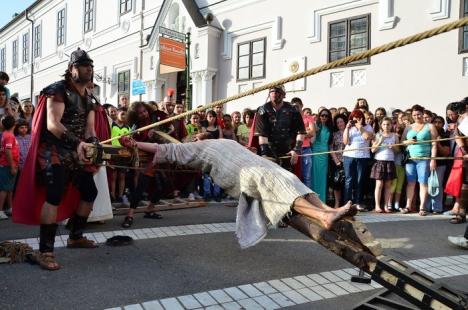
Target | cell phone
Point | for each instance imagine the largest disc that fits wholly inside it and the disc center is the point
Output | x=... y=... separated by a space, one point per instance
x=415 y=138
x=353 y=122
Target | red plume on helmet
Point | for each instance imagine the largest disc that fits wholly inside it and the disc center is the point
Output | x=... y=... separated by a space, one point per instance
x=170 y=92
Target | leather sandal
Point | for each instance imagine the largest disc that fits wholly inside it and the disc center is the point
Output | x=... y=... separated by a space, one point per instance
x=45 y=260
x=458 y=219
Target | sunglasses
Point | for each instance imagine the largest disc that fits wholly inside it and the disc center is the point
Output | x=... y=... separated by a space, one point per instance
x=325 y=115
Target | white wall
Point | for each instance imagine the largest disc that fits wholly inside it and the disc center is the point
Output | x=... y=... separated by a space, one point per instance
x=427 y=73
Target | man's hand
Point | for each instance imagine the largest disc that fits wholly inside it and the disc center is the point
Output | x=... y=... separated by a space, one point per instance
x=294 y=157
x=13 y=170
x=82 y=152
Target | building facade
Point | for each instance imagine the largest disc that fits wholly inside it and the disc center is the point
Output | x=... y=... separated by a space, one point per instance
x=238 y=45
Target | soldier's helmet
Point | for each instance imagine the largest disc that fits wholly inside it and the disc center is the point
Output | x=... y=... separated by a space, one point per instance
x=278 y=88
x=80 y=58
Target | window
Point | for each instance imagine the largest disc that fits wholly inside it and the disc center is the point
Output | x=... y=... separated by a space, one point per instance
x=123 y=85
x=88 y=15
x=26 y=47
x=37 y=41
x=125 y=6
x=251 y=60
x=3 y=59
x=348 y=37
x=14 y=52
x=463 y=44
x=61 y=27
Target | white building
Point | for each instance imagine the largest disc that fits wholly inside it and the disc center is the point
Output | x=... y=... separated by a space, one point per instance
x=246 y=43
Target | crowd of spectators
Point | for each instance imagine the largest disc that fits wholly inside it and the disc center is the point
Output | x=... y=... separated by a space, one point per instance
x=384 y=165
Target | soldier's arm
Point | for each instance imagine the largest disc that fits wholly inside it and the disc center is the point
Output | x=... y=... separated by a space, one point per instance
x=55 y=111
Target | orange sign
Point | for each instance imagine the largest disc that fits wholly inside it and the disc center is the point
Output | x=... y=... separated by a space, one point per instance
x=171 y=55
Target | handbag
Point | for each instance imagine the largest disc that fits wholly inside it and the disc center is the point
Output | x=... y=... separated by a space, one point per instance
x=405 y=158
x=433 y=184
x=339 y=176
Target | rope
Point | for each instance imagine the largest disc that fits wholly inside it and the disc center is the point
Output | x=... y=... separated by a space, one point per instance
x=334 y=64
x=380 y=146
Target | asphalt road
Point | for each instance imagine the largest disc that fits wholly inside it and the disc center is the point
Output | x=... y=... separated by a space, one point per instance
x=185 y=259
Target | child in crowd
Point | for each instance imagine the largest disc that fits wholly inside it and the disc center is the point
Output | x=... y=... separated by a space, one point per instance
x=119 y=127
x=399 y=181
x=243 y=131
x=193 y=128
x=383 y=170
x=9 y=159
x=228 y=130
x=24 y=140
x=212 y=131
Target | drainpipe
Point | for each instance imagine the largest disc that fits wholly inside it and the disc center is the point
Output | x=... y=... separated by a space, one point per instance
x=32 y=56
x=142 y=25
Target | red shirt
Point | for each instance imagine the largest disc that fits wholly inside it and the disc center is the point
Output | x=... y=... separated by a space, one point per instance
x=9 y=143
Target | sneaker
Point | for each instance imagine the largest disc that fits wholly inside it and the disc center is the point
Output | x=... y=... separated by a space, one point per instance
x=3 y=216
x=459 y=241
x=191 y=197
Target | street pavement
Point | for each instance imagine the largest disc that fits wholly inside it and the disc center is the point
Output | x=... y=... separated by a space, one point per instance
x=190 y=259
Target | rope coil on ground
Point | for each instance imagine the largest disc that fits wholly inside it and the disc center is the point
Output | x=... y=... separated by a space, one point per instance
x=337 y=63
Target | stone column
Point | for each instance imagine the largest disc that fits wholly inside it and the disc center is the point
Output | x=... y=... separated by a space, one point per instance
x=207 y=86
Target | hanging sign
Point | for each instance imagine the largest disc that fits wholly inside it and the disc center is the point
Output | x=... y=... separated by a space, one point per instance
x=171 y=55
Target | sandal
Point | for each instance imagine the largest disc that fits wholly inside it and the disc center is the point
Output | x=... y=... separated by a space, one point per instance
x=128 y=221
x=423 y=213
x=458 y=219
x=45 y=260
x=405 y=210
x=388 y=210
x=152 y=215
x=378 y=211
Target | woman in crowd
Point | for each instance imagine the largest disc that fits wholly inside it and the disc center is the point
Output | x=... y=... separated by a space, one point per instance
x=417 y=170
x=323 y=139
x=26 y=111
x=141 y=114
x=336 y=165
x=379 y=114
x=455 y=180
x=436 y=203
x=383 y=170
x=355 y=136
x=361 y=104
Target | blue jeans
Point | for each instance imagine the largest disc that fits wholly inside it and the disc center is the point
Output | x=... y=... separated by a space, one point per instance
x=210 y=189
x=355 y=175
x=306 y=162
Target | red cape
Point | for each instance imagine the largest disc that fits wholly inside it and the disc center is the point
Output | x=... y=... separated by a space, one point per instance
x=253 y=142
x=26 y=211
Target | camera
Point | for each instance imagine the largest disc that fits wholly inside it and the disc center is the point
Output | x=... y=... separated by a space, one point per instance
x=352 y=122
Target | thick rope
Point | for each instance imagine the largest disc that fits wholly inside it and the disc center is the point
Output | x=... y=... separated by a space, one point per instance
x=380 y=146
x=334 y=64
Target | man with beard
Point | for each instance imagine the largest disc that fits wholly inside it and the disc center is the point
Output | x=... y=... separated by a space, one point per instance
x=62 y=127
x=278 y=124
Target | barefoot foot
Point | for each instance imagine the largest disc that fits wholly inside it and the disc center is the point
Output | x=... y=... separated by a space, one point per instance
x=331 y=217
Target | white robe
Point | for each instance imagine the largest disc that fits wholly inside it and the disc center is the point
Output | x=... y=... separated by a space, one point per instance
x=238 y=170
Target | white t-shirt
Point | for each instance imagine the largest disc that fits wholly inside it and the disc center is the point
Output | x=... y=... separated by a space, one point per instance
x=357 y=141
x=384 y=153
